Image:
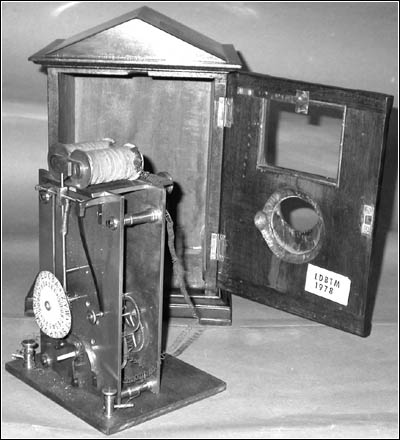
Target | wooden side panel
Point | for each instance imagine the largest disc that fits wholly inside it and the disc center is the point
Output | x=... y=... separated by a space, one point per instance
x=250 y=268
x=52 y=105
x=66 y=111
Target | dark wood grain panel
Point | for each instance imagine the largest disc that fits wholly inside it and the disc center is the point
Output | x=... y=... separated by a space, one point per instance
x=353 y=98
x=250 y=268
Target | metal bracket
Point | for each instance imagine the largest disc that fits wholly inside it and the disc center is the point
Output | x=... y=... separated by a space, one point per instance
x=302 y=102
x=225 y=112
x=105 y=197
x=218 y=247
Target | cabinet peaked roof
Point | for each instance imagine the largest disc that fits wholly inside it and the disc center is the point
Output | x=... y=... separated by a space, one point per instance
x=142 y=37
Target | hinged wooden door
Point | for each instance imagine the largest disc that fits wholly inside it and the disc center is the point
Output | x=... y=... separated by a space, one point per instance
x=300 y=179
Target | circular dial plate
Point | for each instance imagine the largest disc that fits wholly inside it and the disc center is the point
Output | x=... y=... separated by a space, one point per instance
x=51 y=306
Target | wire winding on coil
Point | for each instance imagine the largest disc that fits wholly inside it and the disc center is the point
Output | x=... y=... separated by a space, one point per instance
x=105 y=165
x=59 y=154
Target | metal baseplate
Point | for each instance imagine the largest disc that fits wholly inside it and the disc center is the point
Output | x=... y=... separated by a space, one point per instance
x=181 y=385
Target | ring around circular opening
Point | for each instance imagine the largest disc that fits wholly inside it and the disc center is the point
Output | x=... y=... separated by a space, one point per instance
x=295 y=227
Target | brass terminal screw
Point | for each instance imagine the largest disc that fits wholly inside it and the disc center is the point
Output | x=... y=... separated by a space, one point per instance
x=44 y=196
x=29 y=348
x=109 y=395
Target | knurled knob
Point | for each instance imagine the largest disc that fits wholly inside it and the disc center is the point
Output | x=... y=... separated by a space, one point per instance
x=260 y=220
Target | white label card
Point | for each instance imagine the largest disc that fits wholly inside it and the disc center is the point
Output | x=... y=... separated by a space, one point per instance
x=327 y=284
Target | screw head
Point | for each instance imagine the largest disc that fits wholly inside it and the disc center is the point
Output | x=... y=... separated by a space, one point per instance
x=109 y=391
x=45 y=360
x=29 y=343
x=44 y=196
x=112 y=223
x=91 y=316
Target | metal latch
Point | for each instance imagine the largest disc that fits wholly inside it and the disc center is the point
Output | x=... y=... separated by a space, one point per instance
x=218 y=247
x=225 y=112
x=302 y=102
x=367 y=220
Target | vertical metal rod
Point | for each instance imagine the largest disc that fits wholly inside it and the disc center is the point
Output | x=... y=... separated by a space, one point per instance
x=64 y=229
x=63 y=237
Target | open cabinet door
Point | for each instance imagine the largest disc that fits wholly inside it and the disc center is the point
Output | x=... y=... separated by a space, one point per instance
x=301 y=174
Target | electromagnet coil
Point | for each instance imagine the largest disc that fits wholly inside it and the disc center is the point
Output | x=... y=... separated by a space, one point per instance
x=59 y=154
x=92 y=167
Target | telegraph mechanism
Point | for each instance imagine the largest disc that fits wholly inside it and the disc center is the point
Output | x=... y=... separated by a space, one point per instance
x=98 y=296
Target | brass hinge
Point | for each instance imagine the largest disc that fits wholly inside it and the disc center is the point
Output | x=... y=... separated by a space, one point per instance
x=218 y=247
x=225 y=112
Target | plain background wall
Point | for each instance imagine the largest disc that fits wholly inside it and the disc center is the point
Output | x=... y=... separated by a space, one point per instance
x=352 y=45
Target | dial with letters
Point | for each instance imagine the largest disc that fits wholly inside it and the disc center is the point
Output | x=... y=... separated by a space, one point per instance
x=51 y=306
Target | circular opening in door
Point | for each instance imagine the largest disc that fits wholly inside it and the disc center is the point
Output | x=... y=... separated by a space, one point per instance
x=298 y=214
x=294 y=226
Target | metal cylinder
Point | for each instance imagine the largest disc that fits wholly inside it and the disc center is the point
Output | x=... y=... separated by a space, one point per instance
x=57 y=158
x=29 y=346
x=68 y=355
x=109 y=395
x=105 y=165
x=148 y=216
x=137 y=389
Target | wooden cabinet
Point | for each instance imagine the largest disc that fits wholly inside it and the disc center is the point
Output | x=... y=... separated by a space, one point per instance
x=245 y=151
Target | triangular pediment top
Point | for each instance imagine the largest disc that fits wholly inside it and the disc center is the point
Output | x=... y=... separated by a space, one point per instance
x=143 y=36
